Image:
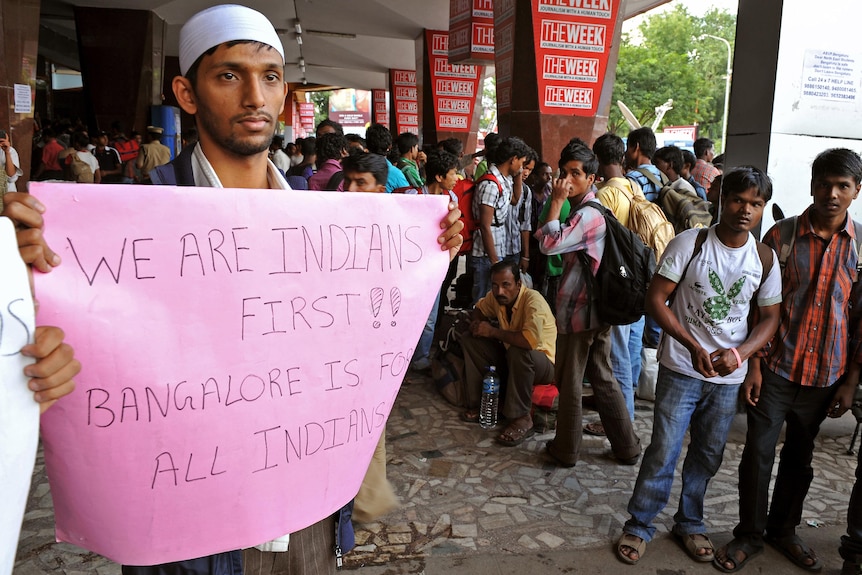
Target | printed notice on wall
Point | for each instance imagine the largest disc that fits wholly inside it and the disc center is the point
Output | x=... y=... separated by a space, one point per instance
x=23 y=99
x=833 y=76
x=240 y=351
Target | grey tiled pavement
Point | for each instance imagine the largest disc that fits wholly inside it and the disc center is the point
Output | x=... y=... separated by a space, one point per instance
x=471 y=506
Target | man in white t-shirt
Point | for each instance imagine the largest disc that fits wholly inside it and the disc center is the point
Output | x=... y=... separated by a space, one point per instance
x=711 y=277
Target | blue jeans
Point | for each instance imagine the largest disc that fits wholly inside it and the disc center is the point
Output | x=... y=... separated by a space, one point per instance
x=421 y=357
x=680 y=402
x=481 y=276
x=626 y=343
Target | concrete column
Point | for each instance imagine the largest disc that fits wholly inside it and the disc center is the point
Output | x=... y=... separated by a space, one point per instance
x=19 y=42
x=122 y=63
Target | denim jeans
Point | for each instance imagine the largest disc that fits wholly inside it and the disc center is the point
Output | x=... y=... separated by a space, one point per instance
x=481 y=276
x=626 y=343
x=421 y=356
x=681 y=402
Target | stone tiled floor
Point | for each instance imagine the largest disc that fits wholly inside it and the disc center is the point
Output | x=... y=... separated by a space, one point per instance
x=464 y=495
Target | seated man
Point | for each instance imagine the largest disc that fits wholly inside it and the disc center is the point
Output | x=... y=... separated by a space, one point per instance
x=522 y=348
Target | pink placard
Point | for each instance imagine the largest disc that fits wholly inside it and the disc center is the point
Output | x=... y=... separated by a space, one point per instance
x=241 y=352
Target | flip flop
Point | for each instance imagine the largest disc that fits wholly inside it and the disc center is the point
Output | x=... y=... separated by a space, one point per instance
x=515 y=435
x=469 y=416
x=691 y=544
x=632 y=542
x=595 y=428
x=789 y=545
x=730 y=551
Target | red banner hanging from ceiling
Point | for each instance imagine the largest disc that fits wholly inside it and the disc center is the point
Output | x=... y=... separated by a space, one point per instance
x=405 y=101
x=573 y=43
x=454 y=87
x=471 y=31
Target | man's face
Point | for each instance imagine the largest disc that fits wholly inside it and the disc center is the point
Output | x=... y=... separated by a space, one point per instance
x=661 y=165
x=449 y=180
x=239 y=94
x=832 y=195
x=505 y=288
x=545 y=175
x=102 y=141
x=362 y=182
x=742 y=211
x=327 y=129
x=291 y=150
x=709 y=155
x=573 y=173
x=527 y=169
x=517 y=164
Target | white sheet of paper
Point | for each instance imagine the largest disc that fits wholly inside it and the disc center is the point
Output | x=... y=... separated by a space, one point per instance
x=19 y=413
x=23 y=99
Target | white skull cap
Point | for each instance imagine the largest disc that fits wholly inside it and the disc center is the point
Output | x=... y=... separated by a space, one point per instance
x=224 y=23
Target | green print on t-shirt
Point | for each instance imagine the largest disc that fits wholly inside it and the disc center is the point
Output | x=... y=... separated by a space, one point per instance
x=718 y=306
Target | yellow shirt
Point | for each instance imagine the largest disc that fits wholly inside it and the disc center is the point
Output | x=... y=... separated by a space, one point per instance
x=531 y=315
x=616 y=194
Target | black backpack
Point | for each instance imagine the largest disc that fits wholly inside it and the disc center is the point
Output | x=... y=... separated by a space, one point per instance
x=619 y=287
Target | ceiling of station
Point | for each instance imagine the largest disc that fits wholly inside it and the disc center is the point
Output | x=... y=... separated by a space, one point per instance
x=348 y=43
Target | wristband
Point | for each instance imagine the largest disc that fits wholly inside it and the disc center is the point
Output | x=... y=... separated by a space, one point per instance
x=738 y=359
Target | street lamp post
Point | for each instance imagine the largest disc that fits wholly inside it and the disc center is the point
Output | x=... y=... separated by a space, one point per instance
x=726 y=89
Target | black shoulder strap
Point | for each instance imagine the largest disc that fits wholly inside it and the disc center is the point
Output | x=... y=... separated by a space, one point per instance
x=335 y=180
x=178 y=172
x=786 y=239
x=698 y=247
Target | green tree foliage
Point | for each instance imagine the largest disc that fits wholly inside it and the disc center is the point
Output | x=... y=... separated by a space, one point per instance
x=669 y=58
x=321 y=105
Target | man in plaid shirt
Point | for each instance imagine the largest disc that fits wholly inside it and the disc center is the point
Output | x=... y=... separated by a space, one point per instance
x=808 y=371
x=583 y=342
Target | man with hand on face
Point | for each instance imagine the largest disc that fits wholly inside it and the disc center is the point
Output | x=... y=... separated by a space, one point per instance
x=584 y=343
x=232 y=65
x=713 y=278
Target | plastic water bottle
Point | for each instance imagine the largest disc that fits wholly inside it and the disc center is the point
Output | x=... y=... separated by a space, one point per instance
x=490 y=398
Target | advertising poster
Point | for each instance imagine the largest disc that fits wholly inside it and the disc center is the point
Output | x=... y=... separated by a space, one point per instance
x=471 y=31
x=405 y=101
x=454 y=86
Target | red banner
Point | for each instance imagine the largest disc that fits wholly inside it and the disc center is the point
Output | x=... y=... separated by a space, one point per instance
x=454 y=87
x=573 y=42
x=471 y=31
x=405 y=101
x=306 y=115
x=504 y=34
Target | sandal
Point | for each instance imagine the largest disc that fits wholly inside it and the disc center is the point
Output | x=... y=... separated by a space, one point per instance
x=632 y=542
x=515 y=433
x=595 y=428
x=469 y=416
x=692 y=543
x=730 y=553
x=797 y=551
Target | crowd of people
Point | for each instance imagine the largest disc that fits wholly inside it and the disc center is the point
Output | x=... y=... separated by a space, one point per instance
x=728 y=315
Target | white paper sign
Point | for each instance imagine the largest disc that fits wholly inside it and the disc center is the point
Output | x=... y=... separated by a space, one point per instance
x=23 y=101
x=19 y=413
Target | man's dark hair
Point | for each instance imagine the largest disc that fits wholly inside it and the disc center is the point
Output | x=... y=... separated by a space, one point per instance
x=309 y=146
x=356 y=139
x=837 y=162
x=379 y=139
x=532 y=156
x=718 y=161
x=190 y=136
x=439 y=163
x=48 y=133
x=192 y=73
x=492 y=140
x=452 y=145
x=579 y=152
x=610 y=150
x=406 y=142
x=702 y=146
x=80 y=140
x=670 y=154
x=509 y=148
x=330 y=147
x=688 y=158
x=278 y=141
x=367 y=162
x=643 y=137
x=331 y=123
x=743 y=178
x=504 y=265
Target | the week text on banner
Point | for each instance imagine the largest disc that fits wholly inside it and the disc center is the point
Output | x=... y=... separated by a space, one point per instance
x=19 y=412
x=241 y=351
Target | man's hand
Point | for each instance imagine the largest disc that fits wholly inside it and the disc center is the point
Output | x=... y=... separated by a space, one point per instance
x=702 y=362
x=724 y=362
x=752 y=383
x=451 y=238
x=51 y=375
x=842 y=400
x=26 y=211
x=482 y=329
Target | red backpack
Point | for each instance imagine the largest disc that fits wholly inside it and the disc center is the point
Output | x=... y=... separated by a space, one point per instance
x=464 y=190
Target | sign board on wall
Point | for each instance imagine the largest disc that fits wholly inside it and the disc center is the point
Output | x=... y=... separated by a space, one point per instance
x=454 y=87
x=405 y=101
x=471 y=31
x=573 y=44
